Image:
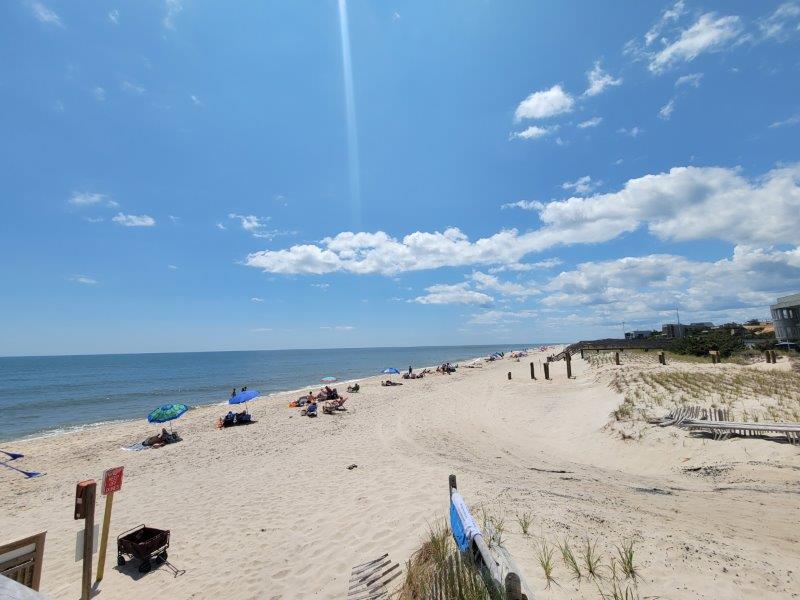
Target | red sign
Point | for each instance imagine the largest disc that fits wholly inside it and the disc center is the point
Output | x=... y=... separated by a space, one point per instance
x=112 y=480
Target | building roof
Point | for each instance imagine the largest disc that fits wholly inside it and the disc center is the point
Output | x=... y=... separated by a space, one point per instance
x=787 y=301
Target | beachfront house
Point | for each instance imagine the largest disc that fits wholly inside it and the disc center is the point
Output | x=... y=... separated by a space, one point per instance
x=638 y=334
x=786 y=319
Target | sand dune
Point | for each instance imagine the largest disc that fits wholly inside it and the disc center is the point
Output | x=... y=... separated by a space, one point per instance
x=271 y=511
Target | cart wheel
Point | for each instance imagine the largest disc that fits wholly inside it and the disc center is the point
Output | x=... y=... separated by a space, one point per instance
x=121 y=560
x=145 y=567
x=163 y=556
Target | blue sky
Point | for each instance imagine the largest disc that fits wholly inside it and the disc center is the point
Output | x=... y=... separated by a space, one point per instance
x=187 y=175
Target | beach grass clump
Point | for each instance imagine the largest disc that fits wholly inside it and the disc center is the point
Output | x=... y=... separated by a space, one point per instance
x=570 y=562
x=544 y=556
x=591 y=559
x=625 y=554
x=525 y=520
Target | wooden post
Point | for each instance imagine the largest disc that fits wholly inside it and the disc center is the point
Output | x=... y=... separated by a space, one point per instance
x=582 y=356
x=616 y=358
x=569 y=366
x=513 y=587
x=533 y=374
x=88 y=500
x=768 y=355
x=774 y=357
x=661 y=358
x=509 y=375
x=546 y=371
x=101 y=559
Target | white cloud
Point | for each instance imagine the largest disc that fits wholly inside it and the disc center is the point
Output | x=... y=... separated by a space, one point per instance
x=582 y=185
x=220 y=226
x=524 y=205
x=99 y=93
x=709 y=33
x=692 y=79
x=93 y=219
x=257 y=300
x=174 y=8
x=668 y=16
x=782 y=22
x=134 y=88
x=666 y=110
x=396 y=16
x=45 y=15
x=174 y=219
x=793 y=120
x=321 y=286
x=84 y=280
x=172 y=267
x=645 y=286
x=632 y=132
x=87 y=198
x=547 y=263
x=113 y=16
x=483 y=281
x=593 y=122
x=496 y=317
x=458 y=293
x=599 y=80
x=134 y=220
x=250 y=223
x=338 y=327
x=261 y=330
x=532 y=132
x=195 y=100
x=544 y=104
x=685 y=203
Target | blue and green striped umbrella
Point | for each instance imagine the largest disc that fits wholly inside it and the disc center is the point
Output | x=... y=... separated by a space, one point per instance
x=166 y=412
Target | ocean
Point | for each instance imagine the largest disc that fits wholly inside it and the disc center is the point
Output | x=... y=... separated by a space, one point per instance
x=50 y=394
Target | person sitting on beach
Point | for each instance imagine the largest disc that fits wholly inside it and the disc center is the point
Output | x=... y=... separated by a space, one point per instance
x=353 y=388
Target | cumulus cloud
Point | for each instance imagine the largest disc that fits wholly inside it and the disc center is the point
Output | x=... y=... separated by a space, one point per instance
x=544 y=104
x=87 y=198
x=633 y=132
x=593 y=122
x=249 y=222
x=257 y=300
x=582 y=185
x=134 y=220
x=113 y=16
x=685 y=203
x=44 y=14
x=710 y=33
x=793 y=120
x=648 y=285
x=497 y=317
x=532 y=132
x=458 y=293
x=484 y=281
x=599 y=80
x=173 y=8
x=523 y=204
x=668 y=16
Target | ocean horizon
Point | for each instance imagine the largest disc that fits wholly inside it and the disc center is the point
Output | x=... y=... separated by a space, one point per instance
x=41 y=395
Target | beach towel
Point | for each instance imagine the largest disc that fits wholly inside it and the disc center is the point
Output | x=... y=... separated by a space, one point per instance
x=137 y=447
x=462 y=523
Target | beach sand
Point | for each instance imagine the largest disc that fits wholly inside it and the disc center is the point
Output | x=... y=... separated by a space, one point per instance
x=270 y=510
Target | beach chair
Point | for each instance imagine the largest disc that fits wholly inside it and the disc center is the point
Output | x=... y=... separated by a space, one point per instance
x=331 y=406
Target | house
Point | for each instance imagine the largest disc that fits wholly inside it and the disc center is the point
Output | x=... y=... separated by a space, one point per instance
x=673 y=330
x=786 y=318
x=638 y=334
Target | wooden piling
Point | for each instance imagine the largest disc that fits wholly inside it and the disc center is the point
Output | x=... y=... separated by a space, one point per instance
x=569 y=366
x=546 y=371
x=616 y=358
x=509 y=375
x=661 y=358
x=533 y=374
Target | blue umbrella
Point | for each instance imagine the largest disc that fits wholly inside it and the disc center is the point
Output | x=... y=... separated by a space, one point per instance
x=243 y=397
x=167 y=412
x=391 y=371
x=328 y=379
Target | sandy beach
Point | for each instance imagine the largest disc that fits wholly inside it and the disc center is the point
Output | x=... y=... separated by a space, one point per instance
x=271 y=510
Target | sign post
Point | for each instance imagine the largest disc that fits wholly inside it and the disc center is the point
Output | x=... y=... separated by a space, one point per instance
x=84 y=509
x=112 y=482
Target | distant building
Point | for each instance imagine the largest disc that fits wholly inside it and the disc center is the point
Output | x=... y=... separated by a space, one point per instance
x=638 y=334
x=673 y=330
x=702 y=325
x=786 y=318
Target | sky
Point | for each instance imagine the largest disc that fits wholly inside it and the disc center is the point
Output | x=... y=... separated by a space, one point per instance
x=187 y=175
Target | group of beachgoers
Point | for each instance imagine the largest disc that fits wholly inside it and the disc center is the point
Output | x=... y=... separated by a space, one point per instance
x=333 y=401
x=161 y=439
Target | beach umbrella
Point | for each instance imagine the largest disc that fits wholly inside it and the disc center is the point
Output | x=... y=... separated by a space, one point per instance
x=328 y=379
x=167 y=412
x=243 y=397
x=390 y=371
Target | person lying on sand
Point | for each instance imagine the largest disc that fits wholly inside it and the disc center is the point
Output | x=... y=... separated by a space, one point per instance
x=165 y=437
x=390 y=383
